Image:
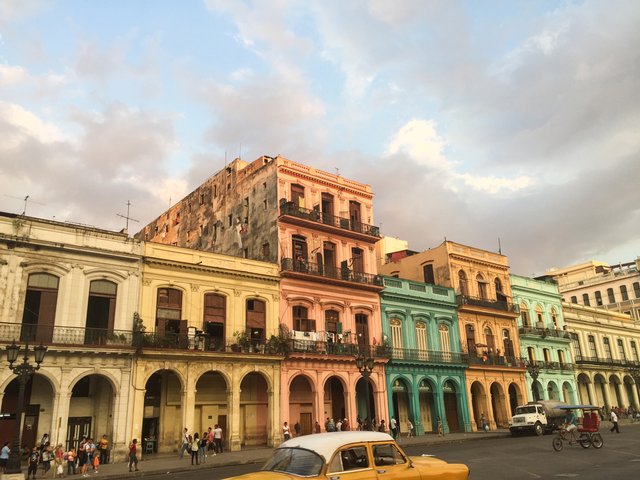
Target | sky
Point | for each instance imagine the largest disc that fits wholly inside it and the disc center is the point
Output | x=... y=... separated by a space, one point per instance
x=472 y=120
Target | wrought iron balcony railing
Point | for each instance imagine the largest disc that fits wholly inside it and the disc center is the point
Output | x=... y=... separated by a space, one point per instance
x=501 y=361
x=61 y=335
x=290 y=208
x=335 y=348
x=580 y=359
x=549 y=365
x=544 y=332
x=336 y=273
x=502 y=305
x=427 y=356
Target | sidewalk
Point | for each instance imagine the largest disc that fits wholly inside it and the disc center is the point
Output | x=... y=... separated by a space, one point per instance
x=161 y=463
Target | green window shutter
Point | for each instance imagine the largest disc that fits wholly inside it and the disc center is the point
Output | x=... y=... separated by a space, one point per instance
x=339 y=327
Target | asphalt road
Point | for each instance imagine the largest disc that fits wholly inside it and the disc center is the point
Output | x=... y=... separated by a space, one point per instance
x=509 y=458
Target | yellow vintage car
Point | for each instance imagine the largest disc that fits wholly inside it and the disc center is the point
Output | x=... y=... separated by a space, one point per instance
x=352 y=455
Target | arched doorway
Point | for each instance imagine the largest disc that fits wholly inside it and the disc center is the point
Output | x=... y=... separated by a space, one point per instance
x=567 y=393
x=401 y=403
x=361 y=397
x=478 y=402
x=427 y=405
x=91 y=409
x=162 y=417
x=334 y=402
x=38 y=398
x=211 y=403
x=301 y=404
x=515 y=398
x=498 y=406
x=451 y=412
x=254 y=410
x=554 y=392
x=628 y=388
x=536 y=389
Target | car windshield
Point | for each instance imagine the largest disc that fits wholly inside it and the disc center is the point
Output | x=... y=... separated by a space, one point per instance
x=296 y=461
x=526 y=409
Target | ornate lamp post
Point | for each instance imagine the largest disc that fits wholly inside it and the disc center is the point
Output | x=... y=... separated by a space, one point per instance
x=24 y=371
x=364 y=362
x=534 y=372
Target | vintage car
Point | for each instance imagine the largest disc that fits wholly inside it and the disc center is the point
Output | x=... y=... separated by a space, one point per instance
x=352 y=455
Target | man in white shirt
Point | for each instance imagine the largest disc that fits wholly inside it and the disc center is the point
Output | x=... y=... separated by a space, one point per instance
x=217 y=438
x=394 y=427
x=614 y=420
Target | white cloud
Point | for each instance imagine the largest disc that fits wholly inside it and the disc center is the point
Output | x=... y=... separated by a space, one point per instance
x=25 y=125
x=12 y=75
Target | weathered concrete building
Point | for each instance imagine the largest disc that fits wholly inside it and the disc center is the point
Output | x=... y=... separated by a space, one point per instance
x=74 y=289
x=487 y=318
x=318 y=228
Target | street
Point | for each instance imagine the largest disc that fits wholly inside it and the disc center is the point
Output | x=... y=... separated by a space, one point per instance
x=508 y=458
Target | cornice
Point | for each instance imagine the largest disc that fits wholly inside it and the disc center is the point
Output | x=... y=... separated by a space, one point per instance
x=209 y=269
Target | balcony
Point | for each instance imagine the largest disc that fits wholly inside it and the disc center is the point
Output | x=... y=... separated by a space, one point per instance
x=498 y=361
x=553 y=366
x=544 y=332
x=61 y=335
x=292 y=213
x=502 y=305
x=606 y=361
x=297 y=346
x=427 y=356
x=306 y=270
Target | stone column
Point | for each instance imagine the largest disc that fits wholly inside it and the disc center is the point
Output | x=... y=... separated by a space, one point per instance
x=415 y=408
x=233 y=406
x=592 y=393
x=634 y=392
x=439 y=396
x=60 y=418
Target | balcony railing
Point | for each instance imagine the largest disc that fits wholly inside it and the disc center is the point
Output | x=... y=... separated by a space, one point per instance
x=290 y=208
x=336 y=273
x=427 y=356
x=335 y=348
x=607 y=361
x=544 y=332
x=501 y=361
x=502 y=305
x=549 y=365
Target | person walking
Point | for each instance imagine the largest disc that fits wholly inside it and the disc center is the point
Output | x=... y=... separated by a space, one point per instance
x=133 y=454
x=186 y=443
x=32 y=463
x=46 y=457
x=218 y=438
x=409 y=429
x=71 y=462
x=393 y=426
x=483 y=423
x=203 y=447
x=614 y=420
x=298 y=429
x=286 y=433
x=195 y=448
x=104 y=449
x=317 y=428
x=4 y=456
x=58 y=457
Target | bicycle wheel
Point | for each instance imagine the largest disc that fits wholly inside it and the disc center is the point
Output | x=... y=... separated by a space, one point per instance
x=557 y=444
x=585 y=442
x=596 y=440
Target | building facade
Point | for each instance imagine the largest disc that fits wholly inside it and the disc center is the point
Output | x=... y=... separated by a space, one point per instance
x=487 y=318
x=426 y=369
x=545 y=341
x=74 y=289
x=605 y=349
x=207 y=350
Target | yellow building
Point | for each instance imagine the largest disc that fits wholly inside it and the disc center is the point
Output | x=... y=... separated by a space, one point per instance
x=487 y=319
x=207 y=349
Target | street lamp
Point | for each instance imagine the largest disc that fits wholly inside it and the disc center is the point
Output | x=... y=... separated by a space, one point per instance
x=364 y=362
x=24 y=371
x=534 y=370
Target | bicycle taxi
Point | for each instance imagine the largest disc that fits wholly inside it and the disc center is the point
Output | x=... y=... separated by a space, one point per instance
x=586 y=434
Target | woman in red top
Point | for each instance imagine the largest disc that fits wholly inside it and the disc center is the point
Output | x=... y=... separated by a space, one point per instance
x=133 y=457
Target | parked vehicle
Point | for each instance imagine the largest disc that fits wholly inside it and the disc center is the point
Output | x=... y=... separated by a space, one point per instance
x=543 y=416
x=352 y=454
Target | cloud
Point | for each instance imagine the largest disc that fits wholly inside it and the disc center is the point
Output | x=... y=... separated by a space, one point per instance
x=15 y=10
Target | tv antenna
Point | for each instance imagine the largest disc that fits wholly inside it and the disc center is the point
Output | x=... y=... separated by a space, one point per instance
x=127 y=217
x=26 y=200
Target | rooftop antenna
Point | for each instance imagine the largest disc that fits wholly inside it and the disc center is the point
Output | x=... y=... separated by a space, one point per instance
x=337 y=171
x=25 y=199
x=127 y=217
x=499 y=246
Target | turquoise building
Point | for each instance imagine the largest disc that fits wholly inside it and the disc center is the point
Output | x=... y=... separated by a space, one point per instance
x=544 y=341
x=426 y=369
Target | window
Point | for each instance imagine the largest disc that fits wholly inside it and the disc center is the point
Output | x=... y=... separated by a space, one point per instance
x=592 y=347
x=607 y=348
x=598 y=298
x=489 y=340
x=256 y=319
x=524 y=315
x=265 y=204
x=297 y=195
x=621 y=351
x=101 y=309
x=623 y=293
x=362 y=328
x=508 y=343
x=332 y=321
x=561 y=357
x=169 y=313
x=634 y=351
x=576 y=346
x=462 y=282
x=396 y=336
x=585 y=299
x=354 y=215
x=469 y=331
x=539 y=316
x=574 y=299
x=201 y=198
x=427 y=273
x=421 y=336
x=301 y=320
x=612 y=298
x=445 y=341
x=215 y=318
x=351 y=458
x=554 y=318
x=39 y=312
x=500 y=296
x=531 y=354
x=482 y=287
x=387 y=454
x=636 y=289
x=547 y=355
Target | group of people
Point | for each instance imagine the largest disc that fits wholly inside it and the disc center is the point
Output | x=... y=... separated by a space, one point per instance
x=60 y=462
x=343 y=425
x=200 y=447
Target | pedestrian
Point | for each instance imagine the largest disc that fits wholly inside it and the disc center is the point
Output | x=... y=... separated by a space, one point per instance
x=345 y=425
x=382 y=427
x=210 y=443
x=483 y=423
x=58 y=457
x=32 y=463
x=317 y=427
x=298 y=429
x=203 y=447
x=71 y=462
x=614 y=420
x=339 y=425
x=104 y=450
x=286 y=434
x=96 y=461
x=393 y=426
x=4 y=456
x=133 y=454
x=195 y=448
x=218 y=438
x=43 y=442
x=186 y=443
x=46 y=457
x=440 y=429
x=331 y=426
x=409 y=429
x=80 y=453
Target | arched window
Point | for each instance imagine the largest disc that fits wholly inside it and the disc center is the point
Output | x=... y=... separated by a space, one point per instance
x=489 y=340
x=421 y=340
x=482 y=287
x=508 y=344
x=524 y=315
x=607 y=348
x=561 y=357
x=539 y=317
x=500 y=295
x=462 y=282
x=531 y=354
x=554 y=319
x=396 y=337
x=547 y=355
x=215 y=319
x=592 y=346
x=39 y=314
x=445 y=341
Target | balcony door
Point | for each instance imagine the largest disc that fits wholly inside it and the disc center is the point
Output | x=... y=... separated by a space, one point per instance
x=327 y=208
x=362 y=329
x=299 y=249
x=329 y=258
x=101 y=310
x=39 y=312
x=215 y=318
x=354 y=215
x=357 y=257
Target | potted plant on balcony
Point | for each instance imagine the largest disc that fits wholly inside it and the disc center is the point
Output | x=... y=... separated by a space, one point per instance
x=243 y=341
x=114 y=338
x=280 y=343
